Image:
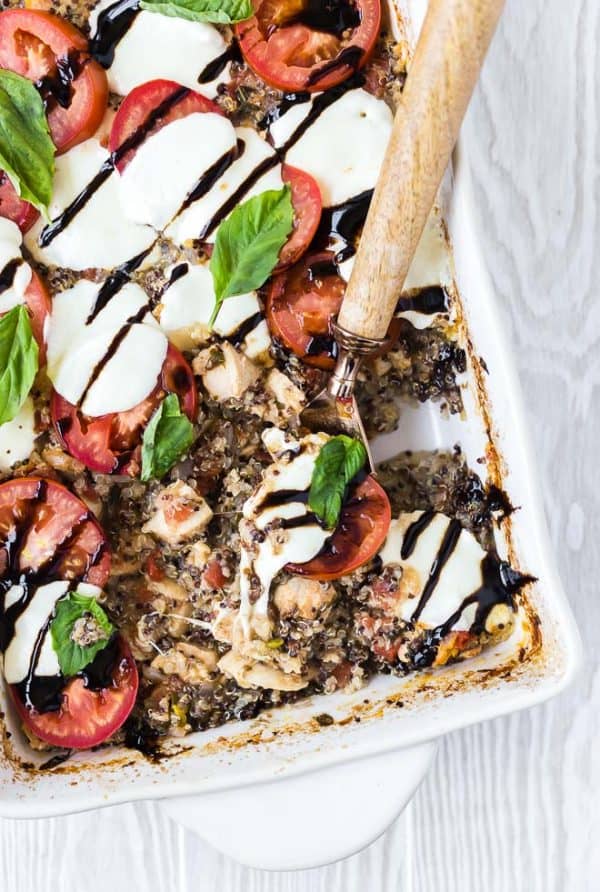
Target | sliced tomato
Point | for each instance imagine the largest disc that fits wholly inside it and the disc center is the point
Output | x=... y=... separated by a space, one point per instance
x=39 y=305
x=54 y=55
x=14 y=208
x=306 y=199
x=48 y=531
x=148 y=108
x=302 y=303
x=360 y=533
x=86 y=717
x=111 y=443
x=295 y=45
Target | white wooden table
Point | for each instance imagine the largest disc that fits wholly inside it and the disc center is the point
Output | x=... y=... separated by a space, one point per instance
x=513 y=804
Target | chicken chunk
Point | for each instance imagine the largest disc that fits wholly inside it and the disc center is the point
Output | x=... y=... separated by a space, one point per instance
x=304 y=597
x=226 y=373
x=181 y=513
x=289 y=397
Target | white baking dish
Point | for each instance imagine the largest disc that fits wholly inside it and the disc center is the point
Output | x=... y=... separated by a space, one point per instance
x=537 y=662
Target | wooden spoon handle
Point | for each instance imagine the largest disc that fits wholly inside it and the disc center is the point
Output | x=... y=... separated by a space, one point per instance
x=441 y=79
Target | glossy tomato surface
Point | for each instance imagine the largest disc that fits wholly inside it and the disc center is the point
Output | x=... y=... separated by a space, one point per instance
x=111 y=443
x=301 y=304
x=306 y=199
x=51 y=52
x=14 y=208
x=56 y=534
x=86 y=717
x=148 y=108
x=360 y=533
x=295 y=46
x=39 y=304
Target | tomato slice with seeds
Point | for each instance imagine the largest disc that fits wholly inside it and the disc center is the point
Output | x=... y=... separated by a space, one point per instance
x=111 y=443
x=14 y=208
x=360 y=533
x=86 y=717
x=298 y=45
x=306 y=199
x=148 y=108
x=301 y=304
x=54 y=55
x=56 y=532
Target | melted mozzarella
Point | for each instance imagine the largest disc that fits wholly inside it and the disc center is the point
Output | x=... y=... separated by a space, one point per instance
x=265 y=559
x=187 y=306
x=344 y=148
x=75 y=348
x=194 y=220
x=431 y=263
x=37 y=614
x=17 y=437
x=168 y=164
x=99 y=236
x=158 y=46
x=460 y=577
x=10 y=252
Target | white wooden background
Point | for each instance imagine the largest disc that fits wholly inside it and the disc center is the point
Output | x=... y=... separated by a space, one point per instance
x=513 y=804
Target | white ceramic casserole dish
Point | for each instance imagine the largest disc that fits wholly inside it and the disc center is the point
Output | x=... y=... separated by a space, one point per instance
x=537 y=661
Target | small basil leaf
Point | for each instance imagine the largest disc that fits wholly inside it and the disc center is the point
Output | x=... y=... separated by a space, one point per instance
x=18 y=361
x=80 y=630
x=337 y=464
x=219 y=12
x=26 y=149
x=248 y=243
x=168 y=435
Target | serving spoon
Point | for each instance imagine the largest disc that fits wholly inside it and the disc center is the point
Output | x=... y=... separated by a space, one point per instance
x=450 y=52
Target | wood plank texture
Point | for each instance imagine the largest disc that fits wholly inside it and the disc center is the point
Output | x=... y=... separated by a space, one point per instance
x=513 y=804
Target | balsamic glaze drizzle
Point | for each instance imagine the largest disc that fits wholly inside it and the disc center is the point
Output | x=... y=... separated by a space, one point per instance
x=217 y=66
x=351 y=56
x=8 y=273
x=113 y=24
x=56 y=89
x=330 y=16
x=428 y=301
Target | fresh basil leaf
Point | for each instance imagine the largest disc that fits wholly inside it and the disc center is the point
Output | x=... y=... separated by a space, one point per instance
x=337 y=464
x=26 y=149
x=248 y=243
x=219 y=12
x=168 y=435
x=80 y=630
x=18 y=361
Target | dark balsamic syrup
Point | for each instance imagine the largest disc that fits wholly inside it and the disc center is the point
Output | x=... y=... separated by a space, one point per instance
x=427 y=301
x=411 y=536
x=113 y=24
x=448 y=544
x=212 y=71
x=350 y=56
x=330 y=16
x=7 y=275
x=57 y=89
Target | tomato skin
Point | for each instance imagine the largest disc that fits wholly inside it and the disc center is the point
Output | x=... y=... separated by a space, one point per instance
x=86 y=718
x=39 y=304
x=301 y=305
x=14 y=208
x=31 y=43
x=306 y=199
x=87 y=558
x=288 y=57
x=110 y=443
x=143 y=101
x=360 y=533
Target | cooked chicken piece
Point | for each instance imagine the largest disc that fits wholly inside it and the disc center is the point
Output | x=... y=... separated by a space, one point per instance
x=251 y=674
x=192 y=664
x=180 y=514
x=304 y=597
x=289 y=397
x=198 y=555
x=226 y=373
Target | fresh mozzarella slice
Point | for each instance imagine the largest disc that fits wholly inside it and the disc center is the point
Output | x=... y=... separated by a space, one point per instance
x=199 y=218
x=431 y=263
x=98 y=235
x=187 y=307
x=19 y=653
x=96 y=359
x=17 y=437
x=460 y=577
x=15 y=274
x=264 y=556
x=158 y=46
x=168 y=165
x=343 y=148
